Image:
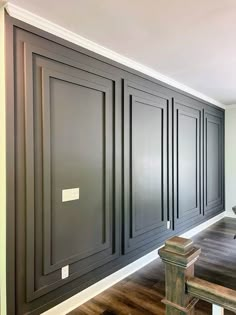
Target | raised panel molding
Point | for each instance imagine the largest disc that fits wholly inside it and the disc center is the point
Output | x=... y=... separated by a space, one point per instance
x=40 y=73
x=135 y=169
x=213 y=161
x=47 y=75
x=187 y=169
x=145 y=193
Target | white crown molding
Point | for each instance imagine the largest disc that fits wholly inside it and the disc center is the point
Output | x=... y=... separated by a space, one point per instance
x=231 y=106
x=3 y=4
x=41 y=23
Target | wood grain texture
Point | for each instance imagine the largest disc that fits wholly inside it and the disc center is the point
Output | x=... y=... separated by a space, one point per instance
x=179 y=256
x=213 y=293
x=142 y=292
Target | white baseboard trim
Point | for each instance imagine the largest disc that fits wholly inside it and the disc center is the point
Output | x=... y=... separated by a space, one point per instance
x=87 y=294
x=230 y=214
x=55 y=29
x=203 y=225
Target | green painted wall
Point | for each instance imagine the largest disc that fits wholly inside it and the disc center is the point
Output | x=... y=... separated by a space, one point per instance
x=2 y=168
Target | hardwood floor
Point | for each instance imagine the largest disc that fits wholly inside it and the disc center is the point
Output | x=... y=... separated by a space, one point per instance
x=141 y=293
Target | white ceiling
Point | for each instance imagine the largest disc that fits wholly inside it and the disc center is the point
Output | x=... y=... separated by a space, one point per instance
x=190 y=41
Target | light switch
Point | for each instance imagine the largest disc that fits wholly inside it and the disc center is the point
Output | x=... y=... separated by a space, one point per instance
x=65 y=272
x=70 y=194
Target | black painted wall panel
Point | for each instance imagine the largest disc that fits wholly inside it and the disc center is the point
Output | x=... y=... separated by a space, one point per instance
x=187 y=144
x=145 y=165
x=213 y=161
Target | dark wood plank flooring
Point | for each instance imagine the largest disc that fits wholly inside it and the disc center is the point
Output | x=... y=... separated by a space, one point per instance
x=141 y=293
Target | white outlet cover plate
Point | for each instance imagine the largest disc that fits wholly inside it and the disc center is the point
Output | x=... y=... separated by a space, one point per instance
x=65 y=272
x=70 y=194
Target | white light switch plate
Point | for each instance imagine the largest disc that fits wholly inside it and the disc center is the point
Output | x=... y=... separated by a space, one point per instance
x=70 y=194
x=65 y=272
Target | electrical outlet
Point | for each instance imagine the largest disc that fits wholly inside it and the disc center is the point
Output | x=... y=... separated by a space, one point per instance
x=65 y=272
x=168 y=225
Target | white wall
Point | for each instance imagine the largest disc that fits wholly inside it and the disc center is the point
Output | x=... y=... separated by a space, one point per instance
x=230 y=158
x=2 y=169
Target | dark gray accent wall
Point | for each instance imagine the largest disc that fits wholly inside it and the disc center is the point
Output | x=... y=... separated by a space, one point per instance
x=141 y=153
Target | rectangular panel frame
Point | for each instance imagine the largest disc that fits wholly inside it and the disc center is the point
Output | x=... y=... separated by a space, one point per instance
x=214 y=205
x=180 y=107
x=131 y=238
x=32 y=292
x=46 y=75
